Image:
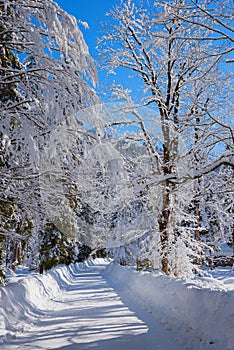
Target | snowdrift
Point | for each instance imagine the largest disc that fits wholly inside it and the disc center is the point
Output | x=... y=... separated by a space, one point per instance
x=201 y=318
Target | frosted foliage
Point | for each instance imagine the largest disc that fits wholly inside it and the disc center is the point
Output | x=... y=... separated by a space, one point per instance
x=52 y=79
x=51 y=83
x=55 y=166
x=56 y=59
x=107 y=176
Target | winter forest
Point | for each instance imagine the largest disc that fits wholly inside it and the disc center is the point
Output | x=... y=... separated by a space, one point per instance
x=116 y=176
x=139 y=170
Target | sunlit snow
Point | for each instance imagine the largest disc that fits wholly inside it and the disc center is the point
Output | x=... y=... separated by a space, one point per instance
x=100 y=305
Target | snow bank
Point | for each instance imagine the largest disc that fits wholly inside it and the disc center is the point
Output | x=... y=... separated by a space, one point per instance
x=27 y=298
x=201 y=318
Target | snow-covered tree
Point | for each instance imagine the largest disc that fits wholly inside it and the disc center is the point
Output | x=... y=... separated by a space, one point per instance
x=46 y=72
x=176 y=73
x=56 y=248
x=215 y=17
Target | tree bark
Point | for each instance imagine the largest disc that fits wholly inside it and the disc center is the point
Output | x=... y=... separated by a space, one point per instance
x=15 y=255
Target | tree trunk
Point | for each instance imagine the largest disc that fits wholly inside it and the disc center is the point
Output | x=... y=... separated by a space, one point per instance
x=15 y=255
x=197 y=214
x=197 y=211
x=163 y=222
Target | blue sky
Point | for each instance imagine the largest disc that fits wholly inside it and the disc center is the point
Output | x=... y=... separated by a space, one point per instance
x=93 y=12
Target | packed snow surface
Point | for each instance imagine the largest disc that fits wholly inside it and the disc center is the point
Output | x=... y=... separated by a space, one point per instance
x=101 y=305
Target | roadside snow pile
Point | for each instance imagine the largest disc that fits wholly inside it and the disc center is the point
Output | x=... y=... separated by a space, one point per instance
x=27 y=298
x=202 y=318
x=199 y=313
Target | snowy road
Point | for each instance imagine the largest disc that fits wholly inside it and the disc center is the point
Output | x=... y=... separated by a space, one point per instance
x=89 y=313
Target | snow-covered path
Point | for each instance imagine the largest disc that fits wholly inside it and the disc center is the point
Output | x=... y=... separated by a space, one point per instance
x=89 y=313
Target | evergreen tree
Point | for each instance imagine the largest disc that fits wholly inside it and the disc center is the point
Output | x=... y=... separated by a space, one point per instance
x=55 y=248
